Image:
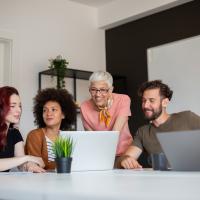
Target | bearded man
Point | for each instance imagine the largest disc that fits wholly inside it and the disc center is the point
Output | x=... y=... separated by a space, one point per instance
x=155 y=97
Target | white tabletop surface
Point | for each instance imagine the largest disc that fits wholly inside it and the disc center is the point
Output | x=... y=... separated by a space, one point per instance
x=101 y=185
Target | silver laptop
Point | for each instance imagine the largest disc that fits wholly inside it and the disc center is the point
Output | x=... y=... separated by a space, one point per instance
x=182 y=149
x=94 y=150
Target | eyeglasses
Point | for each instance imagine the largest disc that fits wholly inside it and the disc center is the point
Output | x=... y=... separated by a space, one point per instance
x=103 y=91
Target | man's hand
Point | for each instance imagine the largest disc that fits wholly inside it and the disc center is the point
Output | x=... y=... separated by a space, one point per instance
x=130 y=163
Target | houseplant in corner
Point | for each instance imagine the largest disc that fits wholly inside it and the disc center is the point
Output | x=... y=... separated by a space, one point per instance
x=63 y=148
x=59 y=65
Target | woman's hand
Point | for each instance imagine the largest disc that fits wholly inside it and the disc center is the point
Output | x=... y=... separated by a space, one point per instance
x=33 y=167
x=37 y=160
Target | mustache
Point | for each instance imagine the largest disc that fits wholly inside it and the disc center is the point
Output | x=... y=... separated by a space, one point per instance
x=146 y=109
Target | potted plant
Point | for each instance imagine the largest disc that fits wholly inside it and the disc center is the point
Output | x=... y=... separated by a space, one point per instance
x=59 y=65
x=63 y=148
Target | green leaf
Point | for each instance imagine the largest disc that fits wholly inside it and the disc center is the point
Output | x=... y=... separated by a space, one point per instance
x=60 y=66
x=63 y=147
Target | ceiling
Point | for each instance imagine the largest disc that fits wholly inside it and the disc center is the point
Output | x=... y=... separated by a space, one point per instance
x=93 y=3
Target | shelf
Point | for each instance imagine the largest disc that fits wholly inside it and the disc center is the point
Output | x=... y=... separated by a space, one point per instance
x=70 y=73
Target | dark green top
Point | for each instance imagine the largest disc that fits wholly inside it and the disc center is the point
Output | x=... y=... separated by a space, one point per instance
x=146 y=135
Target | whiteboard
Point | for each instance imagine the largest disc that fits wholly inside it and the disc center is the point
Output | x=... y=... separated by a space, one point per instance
x=178 y=65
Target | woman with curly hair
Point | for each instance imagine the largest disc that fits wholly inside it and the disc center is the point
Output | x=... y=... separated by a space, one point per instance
x=54 y=110
x=11 y=142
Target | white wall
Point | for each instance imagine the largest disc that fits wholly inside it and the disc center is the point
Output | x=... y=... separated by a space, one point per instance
x=41 y=29
x=178 y=64
x=122 y=11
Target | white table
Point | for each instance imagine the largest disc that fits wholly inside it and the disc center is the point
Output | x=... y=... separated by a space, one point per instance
x=101 y=185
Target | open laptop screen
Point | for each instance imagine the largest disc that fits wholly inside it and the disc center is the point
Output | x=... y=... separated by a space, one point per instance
x=94 y=150
x=182 y=149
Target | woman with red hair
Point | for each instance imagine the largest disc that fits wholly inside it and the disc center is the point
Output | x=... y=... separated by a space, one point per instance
x=11 y=142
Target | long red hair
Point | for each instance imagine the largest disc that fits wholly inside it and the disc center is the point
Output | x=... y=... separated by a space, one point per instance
x=5 y=93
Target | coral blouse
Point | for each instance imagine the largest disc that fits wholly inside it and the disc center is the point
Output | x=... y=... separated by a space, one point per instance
x=119 y=107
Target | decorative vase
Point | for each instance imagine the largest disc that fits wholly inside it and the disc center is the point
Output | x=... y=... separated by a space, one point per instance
x=63 y=165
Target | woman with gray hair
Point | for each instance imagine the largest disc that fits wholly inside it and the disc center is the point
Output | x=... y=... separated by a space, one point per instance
x=106 y=110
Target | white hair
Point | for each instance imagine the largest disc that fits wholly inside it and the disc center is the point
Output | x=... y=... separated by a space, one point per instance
x=101 y=76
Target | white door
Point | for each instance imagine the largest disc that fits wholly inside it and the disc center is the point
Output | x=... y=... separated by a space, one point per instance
x=5 y=61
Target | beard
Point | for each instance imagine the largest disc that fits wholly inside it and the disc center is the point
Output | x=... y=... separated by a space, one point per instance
x=155 y=113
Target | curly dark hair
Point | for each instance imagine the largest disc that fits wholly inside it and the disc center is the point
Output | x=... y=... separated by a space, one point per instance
x=63 y=98
x=165 y=91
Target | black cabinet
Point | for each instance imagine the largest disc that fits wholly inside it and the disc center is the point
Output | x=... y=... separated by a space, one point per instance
x=119 y=84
